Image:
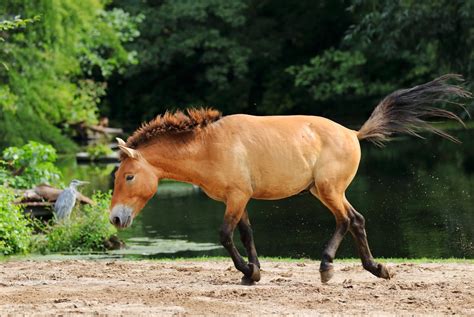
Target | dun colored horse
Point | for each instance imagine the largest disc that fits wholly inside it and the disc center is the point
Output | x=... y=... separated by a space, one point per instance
x=239 y=157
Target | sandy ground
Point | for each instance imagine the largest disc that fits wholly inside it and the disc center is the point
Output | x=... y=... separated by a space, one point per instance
x=212 y=287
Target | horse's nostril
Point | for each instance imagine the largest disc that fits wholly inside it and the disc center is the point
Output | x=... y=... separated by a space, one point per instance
x=116 y=221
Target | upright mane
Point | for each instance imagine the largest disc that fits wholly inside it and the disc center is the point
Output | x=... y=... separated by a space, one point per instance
x=173 y=122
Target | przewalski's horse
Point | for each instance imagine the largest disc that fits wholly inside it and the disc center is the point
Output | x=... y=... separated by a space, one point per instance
x=240 y=157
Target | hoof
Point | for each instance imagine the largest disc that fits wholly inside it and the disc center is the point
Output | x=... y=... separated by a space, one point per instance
x=326 y=275
x=247 y=281
x=383 y=272
x=255 y=276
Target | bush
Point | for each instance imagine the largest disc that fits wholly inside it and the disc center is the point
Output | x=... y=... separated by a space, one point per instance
x=86 y=230
x=29 y=165
x=98 y=150
x=15 y=227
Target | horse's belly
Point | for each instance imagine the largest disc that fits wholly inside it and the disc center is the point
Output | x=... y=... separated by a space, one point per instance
x=279 y=194
x=282 y=173
x=282 y=183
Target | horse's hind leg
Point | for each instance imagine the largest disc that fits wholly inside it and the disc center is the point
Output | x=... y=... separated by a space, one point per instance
x=246 y=235
x=357 y=229
x=347 y=219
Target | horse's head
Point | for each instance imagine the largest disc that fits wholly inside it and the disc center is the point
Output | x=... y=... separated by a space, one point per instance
x=135 y=183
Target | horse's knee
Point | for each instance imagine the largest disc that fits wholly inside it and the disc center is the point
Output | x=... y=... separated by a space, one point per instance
x=225 y=236
x=246 y=234
x=344 y=223
x=357 y=221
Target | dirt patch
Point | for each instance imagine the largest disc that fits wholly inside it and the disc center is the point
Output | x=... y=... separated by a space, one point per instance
x=212 y=287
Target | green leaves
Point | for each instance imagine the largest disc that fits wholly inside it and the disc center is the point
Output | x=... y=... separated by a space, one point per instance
x=15 y=228
x=226 y=54
x=86 y=230
x=392 y=44
x=29 y=165
x=7 y=25
x=98 y=150
x=85 y=103
x=55 y=67
x=198 y=31
x=334 y=73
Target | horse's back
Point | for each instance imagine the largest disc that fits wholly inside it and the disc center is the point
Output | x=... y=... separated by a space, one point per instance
x=280 y=155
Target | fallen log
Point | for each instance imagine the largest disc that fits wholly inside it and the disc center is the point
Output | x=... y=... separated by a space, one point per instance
x=109 y=158
x=46 y=193
x=104 y=130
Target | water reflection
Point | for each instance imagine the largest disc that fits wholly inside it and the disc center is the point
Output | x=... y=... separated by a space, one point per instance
x=146 y=246
x=416 y=195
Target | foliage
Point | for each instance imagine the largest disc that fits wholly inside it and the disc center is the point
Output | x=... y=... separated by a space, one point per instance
x=98 y=150
x=327 y=74
x=7 y=25
x=269 y=57
x=337 y=73
x=85 y=103
x=15 y=228
x=230 y=55
x=56 y=67
x=180 y=30
x=29 y=165
x=405 y=42
x=259 y=57
x=86 y=230
x=191 y=48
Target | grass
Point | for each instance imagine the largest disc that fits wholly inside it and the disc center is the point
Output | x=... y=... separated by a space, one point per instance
x=102 y=256
x=344 y=260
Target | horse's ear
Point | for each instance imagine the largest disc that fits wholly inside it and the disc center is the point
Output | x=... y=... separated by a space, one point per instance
x=120 y=141
x=130 y=152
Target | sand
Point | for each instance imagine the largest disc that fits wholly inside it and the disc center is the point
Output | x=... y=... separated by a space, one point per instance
x=213 y=287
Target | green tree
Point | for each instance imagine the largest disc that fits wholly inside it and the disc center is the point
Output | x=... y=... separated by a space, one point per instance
x=231 y=55
x=186 y=50
x=55 y=67
x=393 y=44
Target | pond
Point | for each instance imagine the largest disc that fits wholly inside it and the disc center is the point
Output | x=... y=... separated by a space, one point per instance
x=416 y=195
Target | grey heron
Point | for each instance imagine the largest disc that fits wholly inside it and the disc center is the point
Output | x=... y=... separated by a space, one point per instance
x=67 y=199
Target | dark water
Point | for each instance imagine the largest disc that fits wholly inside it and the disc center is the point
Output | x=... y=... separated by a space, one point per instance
x=417 y=197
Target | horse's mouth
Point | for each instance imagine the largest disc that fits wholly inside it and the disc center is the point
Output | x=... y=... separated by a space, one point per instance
x=127 y=223
x=121 y=216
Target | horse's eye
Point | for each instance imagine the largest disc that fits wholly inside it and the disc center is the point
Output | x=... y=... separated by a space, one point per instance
x=129 y=177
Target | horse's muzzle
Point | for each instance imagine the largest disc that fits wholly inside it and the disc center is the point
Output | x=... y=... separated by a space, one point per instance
x=121 y=216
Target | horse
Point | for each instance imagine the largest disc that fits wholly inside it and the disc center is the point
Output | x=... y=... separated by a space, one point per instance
x=240 y=157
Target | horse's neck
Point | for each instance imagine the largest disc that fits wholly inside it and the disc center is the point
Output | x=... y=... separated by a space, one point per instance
x=178 y=161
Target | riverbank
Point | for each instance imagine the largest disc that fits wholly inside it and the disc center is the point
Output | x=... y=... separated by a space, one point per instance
x=211 y=286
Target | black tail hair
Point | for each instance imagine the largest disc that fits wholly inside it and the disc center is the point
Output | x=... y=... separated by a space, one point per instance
x=406 y=111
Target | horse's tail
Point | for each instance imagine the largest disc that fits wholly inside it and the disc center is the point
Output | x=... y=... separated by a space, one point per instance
x=406 y=111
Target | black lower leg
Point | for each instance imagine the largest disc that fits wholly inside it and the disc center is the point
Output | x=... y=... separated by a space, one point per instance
x=226 y=237
x=357 y=229
x=330 y=250
x=246 y=236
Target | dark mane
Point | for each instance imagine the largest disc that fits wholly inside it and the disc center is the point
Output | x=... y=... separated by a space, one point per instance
x=173 y=122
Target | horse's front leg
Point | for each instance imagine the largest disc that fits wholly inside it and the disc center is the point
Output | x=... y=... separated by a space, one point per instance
x=235 y=208
x=246 y=236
